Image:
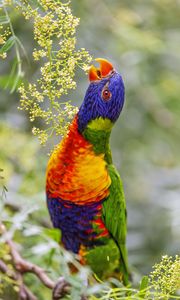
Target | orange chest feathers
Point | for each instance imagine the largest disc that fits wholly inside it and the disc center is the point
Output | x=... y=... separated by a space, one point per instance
x=75 y=173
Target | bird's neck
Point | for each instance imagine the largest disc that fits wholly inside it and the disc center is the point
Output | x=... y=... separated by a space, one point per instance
x=98 y=133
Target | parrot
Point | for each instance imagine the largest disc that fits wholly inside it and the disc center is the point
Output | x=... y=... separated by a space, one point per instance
x=85 y=196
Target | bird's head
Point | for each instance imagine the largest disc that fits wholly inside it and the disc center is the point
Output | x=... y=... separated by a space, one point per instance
x=104 y=97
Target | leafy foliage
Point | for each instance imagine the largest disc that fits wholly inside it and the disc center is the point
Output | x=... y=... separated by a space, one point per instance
x=8 y=40
x=5 y=258
x=54 y=32
x=5 y=278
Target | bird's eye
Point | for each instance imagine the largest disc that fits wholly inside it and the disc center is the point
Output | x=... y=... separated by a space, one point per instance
x=106 y=94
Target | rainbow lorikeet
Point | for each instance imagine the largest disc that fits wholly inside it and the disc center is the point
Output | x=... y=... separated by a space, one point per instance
x=84 y=191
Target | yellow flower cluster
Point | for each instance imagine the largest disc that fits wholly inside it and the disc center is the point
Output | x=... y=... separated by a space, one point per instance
x=165 y=277
x=4 y=33
x=54 y=31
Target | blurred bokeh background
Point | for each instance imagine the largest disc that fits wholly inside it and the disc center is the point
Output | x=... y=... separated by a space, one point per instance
x=142 y=40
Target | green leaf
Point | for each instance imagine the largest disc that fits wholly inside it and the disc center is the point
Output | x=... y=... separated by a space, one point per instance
x=53 y=233
x=3 y=20
x=144 y=283
x=143 y=286
x=16 y=83
x=8 y=45
x=5 y=188
x=10 y=83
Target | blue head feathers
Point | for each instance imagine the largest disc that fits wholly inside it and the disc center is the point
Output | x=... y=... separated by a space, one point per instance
x=104 y=97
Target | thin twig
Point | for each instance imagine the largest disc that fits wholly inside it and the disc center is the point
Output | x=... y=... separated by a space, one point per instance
x=22 y=266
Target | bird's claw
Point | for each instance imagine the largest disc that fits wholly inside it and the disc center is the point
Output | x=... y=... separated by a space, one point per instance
x=61 y=288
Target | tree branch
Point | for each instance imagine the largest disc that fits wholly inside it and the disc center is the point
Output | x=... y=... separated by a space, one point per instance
x=22 y=266
x=3 y=267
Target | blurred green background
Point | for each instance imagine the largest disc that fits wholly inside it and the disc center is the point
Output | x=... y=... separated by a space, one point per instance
x=142 y=40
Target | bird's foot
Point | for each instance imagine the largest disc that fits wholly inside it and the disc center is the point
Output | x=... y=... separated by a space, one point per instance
x=61 y=288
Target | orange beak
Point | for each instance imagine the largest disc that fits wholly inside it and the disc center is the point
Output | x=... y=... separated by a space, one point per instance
x=98 y=73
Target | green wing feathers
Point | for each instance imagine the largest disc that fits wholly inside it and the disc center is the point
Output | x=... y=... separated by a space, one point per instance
x=114 y=215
